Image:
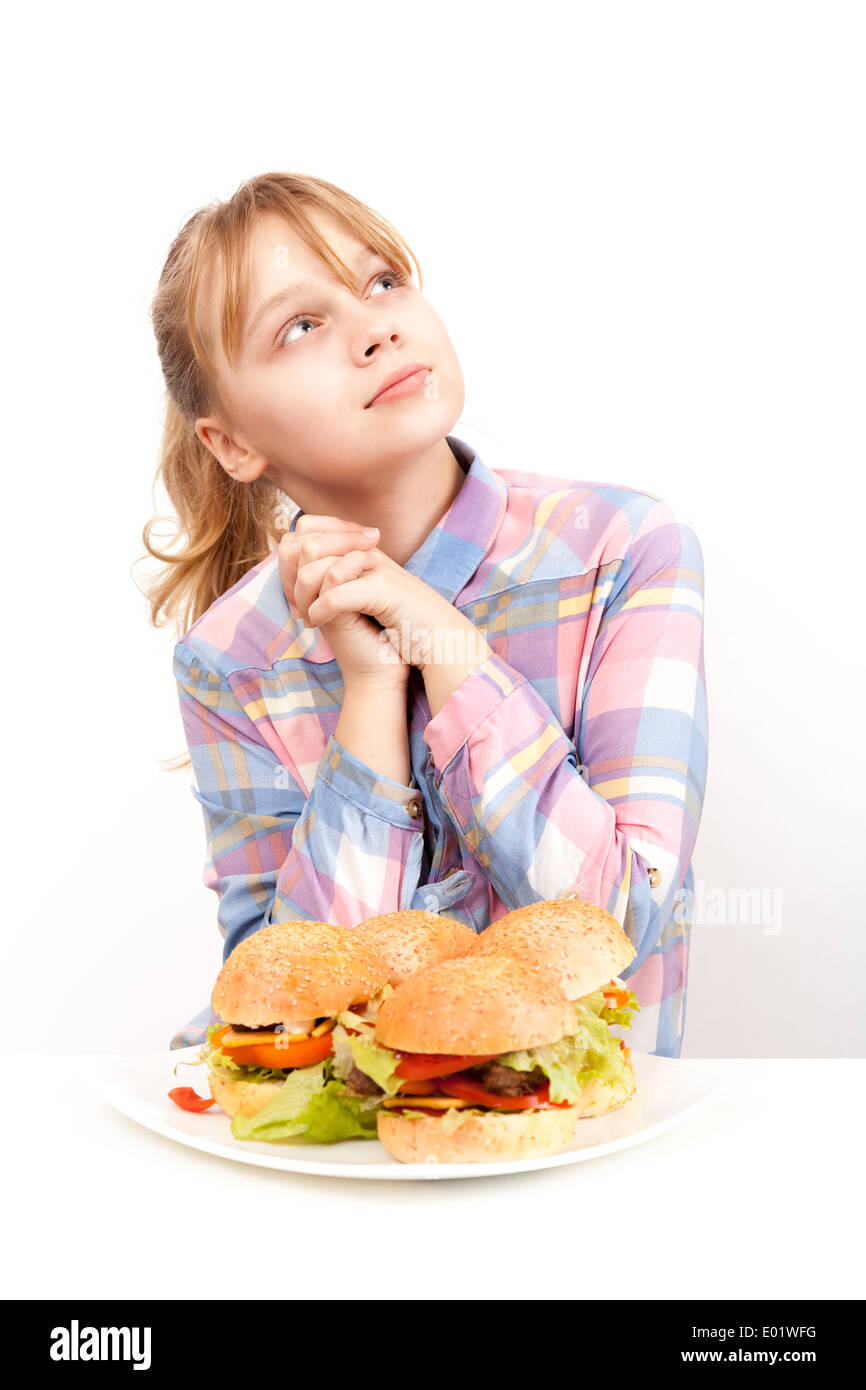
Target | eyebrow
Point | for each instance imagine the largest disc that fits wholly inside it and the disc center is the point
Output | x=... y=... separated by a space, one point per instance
x=290 y=292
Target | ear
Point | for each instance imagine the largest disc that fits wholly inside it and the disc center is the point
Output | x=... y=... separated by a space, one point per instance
x=241 y=463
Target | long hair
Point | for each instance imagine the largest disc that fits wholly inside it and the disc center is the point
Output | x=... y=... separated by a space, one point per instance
x=223 y=527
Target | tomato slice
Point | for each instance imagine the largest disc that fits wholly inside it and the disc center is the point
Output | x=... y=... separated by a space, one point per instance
x=296 y=1054
x=467 y=1088
x=415 y=1066
x=188 y=1099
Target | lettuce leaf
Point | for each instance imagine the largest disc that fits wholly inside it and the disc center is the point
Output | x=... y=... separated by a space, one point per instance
x=311 y=1106
x=351 y=1020
x=622 y=1017
x=379 y=1063
x=226 y=1066
x=594 y=1003
x=341 y=1060
x=591 y=1053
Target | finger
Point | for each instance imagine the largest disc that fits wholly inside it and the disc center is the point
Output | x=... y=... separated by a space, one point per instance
x=330 y=572
x=310 y=566
x=287 y=564
x=317 y=543
x=296 y=553
x=351 y=566
x=353 y=596
x=338 y=573
x=309 y=523
x=333 y=543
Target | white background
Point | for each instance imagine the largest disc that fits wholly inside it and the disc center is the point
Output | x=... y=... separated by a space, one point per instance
x=643 y=226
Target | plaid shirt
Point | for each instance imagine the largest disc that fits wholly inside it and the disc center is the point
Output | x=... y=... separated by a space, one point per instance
x=572 y=761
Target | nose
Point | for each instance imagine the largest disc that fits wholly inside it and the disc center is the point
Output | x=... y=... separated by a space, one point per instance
x=375 y=328
x=375 y=341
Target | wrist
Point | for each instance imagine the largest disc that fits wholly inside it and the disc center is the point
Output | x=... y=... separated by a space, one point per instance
x=376 y=687
x=461 y=647
x=373 y=726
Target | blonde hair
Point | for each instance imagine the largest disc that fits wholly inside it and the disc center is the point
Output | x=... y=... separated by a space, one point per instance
x=224 y=527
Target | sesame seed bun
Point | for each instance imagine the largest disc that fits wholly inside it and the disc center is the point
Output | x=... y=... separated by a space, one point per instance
x=490 y=1138
x=580 y=944
x=242 y=1097
x=474 y=1006
x=293 y=970
x=411 y=940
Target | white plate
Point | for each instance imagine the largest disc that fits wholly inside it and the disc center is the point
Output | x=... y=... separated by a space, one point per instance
x=668 y=1092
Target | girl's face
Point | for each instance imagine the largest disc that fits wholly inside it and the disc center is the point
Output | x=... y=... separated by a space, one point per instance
x=310 y=361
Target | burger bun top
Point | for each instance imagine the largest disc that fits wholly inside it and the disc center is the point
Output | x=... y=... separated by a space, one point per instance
x=410 y=941
x=580 y=944
x=296 y=969
x=475 y=1006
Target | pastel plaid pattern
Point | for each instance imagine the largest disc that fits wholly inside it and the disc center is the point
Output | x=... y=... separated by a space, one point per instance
x=572 y=761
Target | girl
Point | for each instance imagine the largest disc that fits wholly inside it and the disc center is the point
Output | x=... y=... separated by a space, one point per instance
x=411 y=679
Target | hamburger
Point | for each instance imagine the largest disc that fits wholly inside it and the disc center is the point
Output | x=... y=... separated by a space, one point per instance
x=270 y=1063
x=583 y=948
x=407 y=942
x=475 y=1061
x=411 y=940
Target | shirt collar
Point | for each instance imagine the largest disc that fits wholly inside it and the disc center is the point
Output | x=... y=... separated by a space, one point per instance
x=449 y=556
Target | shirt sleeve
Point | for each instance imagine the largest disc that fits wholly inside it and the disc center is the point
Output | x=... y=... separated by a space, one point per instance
x=614 y=817
x=350 y=849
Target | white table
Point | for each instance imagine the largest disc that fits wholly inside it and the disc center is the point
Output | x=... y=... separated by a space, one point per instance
x=757 y=1196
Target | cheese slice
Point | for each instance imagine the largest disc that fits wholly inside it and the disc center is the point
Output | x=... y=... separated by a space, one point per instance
x=297 y=1030
x=428 y=1102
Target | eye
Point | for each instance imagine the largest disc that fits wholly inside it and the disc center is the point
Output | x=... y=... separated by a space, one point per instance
x=396 y=276
x=284 y=339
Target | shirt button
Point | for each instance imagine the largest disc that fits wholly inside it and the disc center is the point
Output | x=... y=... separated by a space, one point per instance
x=414 y=809
x=655 y=877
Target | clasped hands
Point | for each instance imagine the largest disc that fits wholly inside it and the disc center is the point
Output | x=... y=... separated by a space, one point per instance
x=336 y=579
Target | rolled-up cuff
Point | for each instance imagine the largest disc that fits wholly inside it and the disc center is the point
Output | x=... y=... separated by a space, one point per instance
x=468 y=706
x=371 y=791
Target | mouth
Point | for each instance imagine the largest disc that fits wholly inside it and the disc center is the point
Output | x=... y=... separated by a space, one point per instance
x=404 y=382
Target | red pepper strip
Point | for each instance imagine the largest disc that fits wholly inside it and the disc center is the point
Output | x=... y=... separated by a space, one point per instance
x=188 y=1099
x=615 y=998
x=417 y=1088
